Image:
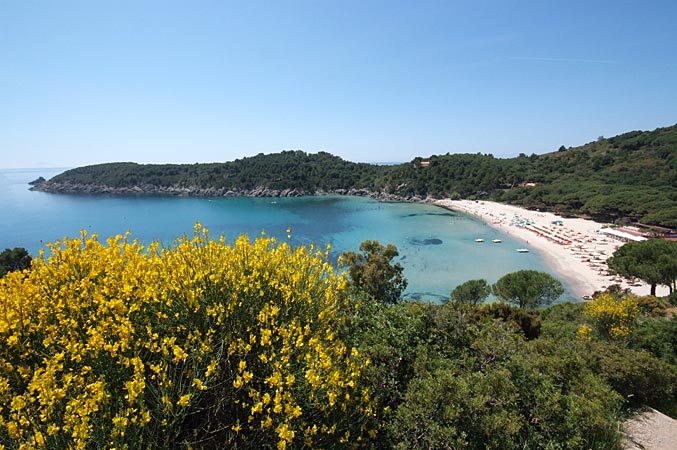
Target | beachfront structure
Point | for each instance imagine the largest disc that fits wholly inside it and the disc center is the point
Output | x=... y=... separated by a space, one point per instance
x=655 y=231
x=621 y=235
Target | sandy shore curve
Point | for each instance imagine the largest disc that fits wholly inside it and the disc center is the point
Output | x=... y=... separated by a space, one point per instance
x=573 y=248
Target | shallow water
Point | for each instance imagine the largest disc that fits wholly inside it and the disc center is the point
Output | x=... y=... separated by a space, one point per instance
x=437 y=247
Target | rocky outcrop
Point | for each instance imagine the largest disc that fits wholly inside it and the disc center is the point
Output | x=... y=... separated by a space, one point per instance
x=197 y=191
x=649 y=430
x=179 y=191
x=37 y=181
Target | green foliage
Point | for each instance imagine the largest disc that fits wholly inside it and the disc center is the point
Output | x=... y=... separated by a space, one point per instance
x=527 y=322
x=472 y=291
x=462 y=376
x=285 y=170
x=561 y=321
x=653 y=261
x=373 y=272
x=502 y=393
x=528 y=289
x=13 y=260
x=641 y=368
x=652 y=306
x=567 y=404
x=631 y=176
x=627 y=177
x=445 y=409
x=640 y=377
x=672 y=298
x=658 y=336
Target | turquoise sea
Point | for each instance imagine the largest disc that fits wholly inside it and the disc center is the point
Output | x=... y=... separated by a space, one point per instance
x=437 y=247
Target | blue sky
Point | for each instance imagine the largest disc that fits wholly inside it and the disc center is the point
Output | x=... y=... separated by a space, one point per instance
x=84 y=82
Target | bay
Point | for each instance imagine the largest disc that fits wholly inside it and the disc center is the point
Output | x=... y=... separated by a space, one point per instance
x=437 y=247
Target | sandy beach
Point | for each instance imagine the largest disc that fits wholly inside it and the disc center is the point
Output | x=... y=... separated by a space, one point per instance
x=573 y=248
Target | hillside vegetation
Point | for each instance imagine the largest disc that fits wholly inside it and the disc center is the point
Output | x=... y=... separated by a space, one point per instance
x=260 y=345
x=633 y=175
x=630 y=177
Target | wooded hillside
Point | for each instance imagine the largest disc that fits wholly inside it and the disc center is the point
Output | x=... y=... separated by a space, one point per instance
x=630 y=177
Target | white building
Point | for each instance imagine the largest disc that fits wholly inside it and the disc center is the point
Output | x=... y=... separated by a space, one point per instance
x=621 y=235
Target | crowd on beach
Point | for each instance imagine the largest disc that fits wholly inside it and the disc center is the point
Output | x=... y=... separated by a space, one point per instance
x=574 y=248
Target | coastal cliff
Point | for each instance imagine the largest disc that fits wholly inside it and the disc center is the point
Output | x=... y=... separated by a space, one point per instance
x=197 y=191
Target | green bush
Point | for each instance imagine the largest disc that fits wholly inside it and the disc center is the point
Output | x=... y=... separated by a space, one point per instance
x=658 y=336
x=502 y=392
x=528 y=322
x=561 y=321
x=640 y=377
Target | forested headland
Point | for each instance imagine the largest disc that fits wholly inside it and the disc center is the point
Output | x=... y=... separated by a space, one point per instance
x=627 y=178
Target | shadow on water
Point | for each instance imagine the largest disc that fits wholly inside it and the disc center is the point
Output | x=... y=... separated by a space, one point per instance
x=444 y=214
x=427 y=297
x=428 y=241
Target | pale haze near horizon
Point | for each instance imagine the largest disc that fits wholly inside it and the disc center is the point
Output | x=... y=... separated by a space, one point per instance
x=183 y=82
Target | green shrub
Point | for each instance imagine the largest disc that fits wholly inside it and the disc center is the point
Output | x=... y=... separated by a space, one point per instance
x=502 y=392
x=561 y=321
x=658 y=336
x=528 y=322
x=640 y=377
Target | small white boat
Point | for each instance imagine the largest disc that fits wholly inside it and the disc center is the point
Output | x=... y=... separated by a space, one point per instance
x=523 y=250
x=479 y=240
x=496 y=241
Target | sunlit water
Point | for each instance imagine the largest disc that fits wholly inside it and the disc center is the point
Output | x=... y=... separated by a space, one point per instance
x=437 y=247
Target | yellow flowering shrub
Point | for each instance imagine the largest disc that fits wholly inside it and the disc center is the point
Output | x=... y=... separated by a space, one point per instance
x=203 y=344
x=610 y=316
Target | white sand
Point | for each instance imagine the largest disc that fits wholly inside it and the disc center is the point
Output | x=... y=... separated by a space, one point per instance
x=579 y=256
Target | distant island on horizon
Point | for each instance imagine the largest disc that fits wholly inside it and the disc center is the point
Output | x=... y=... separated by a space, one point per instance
x=629 y=178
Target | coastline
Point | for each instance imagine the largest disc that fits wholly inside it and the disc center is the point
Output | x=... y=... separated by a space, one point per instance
x=206 y=192
x=572 y=248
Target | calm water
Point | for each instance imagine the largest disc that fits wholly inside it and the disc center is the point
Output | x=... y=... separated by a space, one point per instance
x=437 y=247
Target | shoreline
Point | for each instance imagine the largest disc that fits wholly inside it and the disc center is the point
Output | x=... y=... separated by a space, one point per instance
x=572 y=248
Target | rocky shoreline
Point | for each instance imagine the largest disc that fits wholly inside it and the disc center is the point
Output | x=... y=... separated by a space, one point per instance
x=210 y=192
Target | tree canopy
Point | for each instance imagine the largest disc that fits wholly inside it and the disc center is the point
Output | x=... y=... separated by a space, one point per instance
x=472 y=291
x=373 y=272
x=528 y=289
x=653 y=261
x=14 y=259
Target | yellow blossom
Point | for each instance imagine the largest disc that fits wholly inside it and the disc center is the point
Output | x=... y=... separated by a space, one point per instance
x=101 y=332
x=199 y=384
x=184 y=400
